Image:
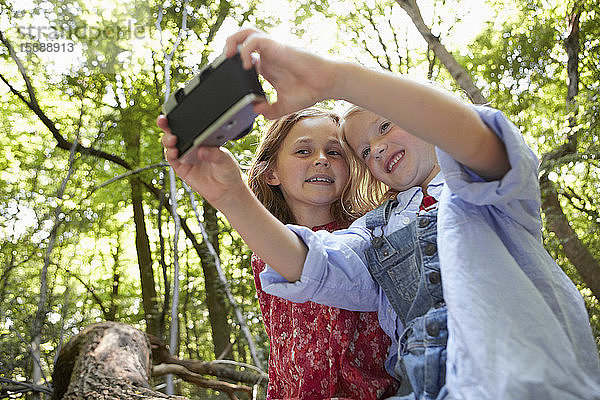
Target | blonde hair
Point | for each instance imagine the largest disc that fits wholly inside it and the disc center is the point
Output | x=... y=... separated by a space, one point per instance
x=368 y=192
x=266 y=158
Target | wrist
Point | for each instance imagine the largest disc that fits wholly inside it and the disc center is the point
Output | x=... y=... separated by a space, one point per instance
x=238 y=197
x=341 y=78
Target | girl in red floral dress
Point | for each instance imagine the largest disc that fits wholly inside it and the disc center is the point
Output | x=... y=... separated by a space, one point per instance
x=301 y=175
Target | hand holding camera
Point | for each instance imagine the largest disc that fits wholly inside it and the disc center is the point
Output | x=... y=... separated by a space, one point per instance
x=215 y=106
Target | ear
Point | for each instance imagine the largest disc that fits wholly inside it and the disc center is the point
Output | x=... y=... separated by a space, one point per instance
x=271 y=177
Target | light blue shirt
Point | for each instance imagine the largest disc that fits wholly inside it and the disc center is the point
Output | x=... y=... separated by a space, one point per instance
x=518 y=327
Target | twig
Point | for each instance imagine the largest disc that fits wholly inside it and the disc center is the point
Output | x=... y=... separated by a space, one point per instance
x=125 y=175
x=36 y=359
x=89 y=289
x=21 y=68
x=20 y=387
x=173 y=191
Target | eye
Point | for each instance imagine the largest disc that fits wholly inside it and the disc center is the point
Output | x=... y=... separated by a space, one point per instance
x=334 y=153
x=302 y=151
x=385 y=127
x=365 y=153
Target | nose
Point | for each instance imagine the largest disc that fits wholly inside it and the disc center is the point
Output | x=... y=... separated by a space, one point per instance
x=379 y=150
x=322 y=160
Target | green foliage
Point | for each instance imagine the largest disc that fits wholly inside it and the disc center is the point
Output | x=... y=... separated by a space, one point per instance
x=106 y=98
x=106 y=95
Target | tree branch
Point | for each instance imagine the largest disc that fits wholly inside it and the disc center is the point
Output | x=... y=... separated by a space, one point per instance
x=198 y=380
x=222 y=369
x=458 y=73
x=9 y=387
x=13 y=55
x=126 y=174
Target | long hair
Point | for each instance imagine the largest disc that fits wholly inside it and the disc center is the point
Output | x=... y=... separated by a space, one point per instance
x=368 y=192
x=266 y=158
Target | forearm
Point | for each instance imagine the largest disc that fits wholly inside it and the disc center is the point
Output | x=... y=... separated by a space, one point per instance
x=270 y=239
x=429 y=113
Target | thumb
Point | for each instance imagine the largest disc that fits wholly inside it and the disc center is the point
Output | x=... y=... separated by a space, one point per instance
x=271 y=110
x=213 y=155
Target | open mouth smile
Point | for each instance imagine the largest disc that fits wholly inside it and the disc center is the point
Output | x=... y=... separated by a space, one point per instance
x=392 y=161
x=320 y=179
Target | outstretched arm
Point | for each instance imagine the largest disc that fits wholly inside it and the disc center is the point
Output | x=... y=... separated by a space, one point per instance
x=216 y=176
x=302 y=79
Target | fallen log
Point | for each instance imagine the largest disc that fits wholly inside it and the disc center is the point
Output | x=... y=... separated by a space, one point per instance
x=113 y=361
x=105 y=361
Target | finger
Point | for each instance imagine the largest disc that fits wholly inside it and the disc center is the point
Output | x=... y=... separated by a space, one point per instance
x=232 y=42
x=168 y=140
x=163 y=123
x=254 y=42
x=255 y=59
x=171 y=155
x=270 y=111
x=181 y=169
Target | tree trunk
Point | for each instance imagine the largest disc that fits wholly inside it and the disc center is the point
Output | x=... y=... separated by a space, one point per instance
x=572 y=49
x=114 y=295
x=131 y=136
x=142 y=245
x=105 y=361
x=576 y=251
x=215 y=295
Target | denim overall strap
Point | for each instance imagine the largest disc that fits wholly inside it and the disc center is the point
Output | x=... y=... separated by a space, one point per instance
x=381 y=215
x=391 y=259
x=406 y=265
x=396 y=270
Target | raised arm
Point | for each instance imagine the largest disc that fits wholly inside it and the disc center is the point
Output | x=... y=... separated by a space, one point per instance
x=216 y=176
x=302 y=79
x=429 y=113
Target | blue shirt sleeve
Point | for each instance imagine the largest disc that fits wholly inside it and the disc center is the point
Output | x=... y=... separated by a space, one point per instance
x=334 y=274
x=517 y=325
x=517 y=194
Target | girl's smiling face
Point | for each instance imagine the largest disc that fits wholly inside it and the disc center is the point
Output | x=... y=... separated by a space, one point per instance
x=395 y=157
x=311 y=169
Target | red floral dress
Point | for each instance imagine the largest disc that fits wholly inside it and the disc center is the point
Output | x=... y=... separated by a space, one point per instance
x=320 y=352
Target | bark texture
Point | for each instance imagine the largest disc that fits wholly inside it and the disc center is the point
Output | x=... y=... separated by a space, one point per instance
x=105 y=361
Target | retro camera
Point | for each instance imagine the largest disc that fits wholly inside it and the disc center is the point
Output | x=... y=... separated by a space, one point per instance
x=215 y=106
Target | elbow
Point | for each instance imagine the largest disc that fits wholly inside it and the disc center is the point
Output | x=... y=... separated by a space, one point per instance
x=488 y=158
x=297 y=265
x=292 y=278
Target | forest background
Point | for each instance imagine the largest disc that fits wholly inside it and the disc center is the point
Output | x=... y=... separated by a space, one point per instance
x=95 y=227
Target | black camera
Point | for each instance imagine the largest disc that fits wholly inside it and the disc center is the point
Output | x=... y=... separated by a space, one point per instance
x=215 y=106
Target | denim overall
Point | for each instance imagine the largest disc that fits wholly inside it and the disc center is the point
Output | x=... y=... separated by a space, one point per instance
x=406 y=266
